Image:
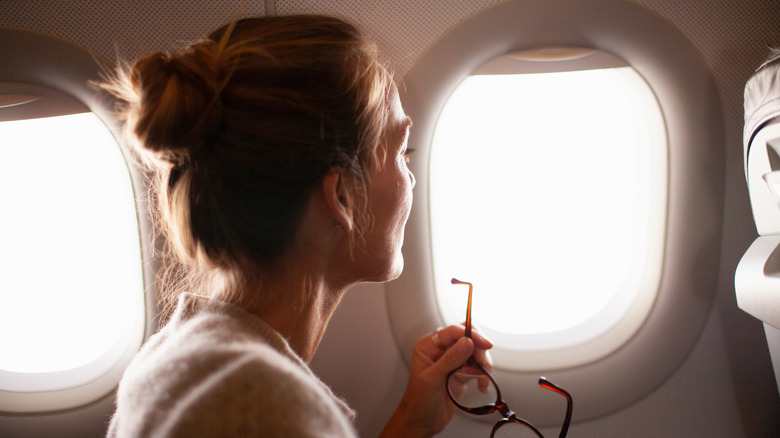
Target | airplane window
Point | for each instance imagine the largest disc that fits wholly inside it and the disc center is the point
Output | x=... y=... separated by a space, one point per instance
x=73 y=300
x=70 y=256
x=561 y=178
x=562 y=204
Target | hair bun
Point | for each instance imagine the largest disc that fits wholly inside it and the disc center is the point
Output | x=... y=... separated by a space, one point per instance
x=179 y=109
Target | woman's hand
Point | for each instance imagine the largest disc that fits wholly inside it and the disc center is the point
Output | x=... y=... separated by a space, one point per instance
x=425 y=408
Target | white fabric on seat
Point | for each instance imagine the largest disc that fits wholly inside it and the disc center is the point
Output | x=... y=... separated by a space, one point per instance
x=762 y=97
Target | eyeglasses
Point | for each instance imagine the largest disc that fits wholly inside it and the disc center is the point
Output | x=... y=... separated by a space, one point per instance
x=486 y=399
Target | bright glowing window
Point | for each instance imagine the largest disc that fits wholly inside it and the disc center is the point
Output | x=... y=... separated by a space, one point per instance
x=70 y=257
x=548 y=192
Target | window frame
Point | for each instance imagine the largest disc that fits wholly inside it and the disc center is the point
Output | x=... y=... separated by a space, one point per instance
x=552 y=350
x=42 y=62
x=689 y=100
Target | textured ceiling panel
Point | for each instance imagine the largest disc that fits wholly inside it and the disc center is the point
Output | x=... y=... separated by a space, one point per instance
x=403 y=28
x=124 y=29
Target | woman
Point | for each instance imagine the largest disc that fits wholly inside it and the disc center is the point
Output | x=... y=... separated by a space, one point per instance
x=279 y=149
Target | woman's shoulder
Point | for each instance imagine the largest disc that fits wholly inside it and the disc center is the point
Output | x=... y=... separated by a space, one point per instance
x=252 y=391
x=213 y=373
x=205 y=331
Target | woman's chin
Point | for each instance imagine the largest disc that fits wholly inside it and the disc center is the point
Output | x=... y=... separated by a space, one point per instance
x=391 y=271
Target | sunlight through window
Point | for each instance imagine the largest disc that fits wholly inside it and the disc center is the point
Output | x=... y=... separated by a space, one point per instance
x=70 y=255
x=547 y=192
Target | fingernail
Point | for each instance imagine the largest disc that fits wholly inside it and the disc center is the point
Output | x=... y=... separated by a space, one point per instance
x=488 y=340
x=465 y=345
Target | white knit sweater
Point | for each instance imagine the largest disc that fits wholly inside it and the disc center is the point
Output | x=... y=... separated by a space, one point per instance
x=217 y=371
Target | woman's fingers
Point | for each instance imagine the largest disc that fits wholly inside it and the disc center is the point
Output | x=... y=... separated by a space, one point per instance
x=446 y=336
x=480 y=341
x=455 y=355
x=440 y=341
x=484 y=358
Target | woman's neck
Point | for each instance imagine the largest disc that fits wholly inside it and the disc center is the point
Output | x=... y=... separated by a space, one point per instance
x=297 y=304
x=299 y=293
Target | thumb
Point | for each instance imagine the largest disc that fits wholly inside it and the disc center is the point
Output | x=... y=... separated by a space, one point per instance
x=455 y=356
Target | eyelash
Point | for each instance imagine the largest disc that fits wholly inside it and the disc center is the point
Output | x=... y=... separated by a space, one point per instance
x=407 y=153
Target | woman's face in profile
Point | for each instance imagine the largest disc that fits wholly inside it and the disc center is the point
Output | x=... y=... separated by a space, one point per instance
x=389 y=200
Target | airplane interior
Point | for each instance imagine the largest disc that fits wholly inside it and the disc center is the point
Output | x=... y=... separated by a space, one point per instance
x=604 y=174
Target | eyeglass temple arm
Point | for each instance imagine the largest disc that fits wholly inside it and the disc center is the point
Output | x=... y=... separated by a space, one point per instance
x=468 y=306
x=546 y=384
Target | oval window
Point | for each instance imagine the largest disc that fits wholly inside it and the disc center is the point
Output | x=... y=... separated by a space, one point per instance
x=581 y=215
x=560 y=176
x=70 y=259
x=72 y=305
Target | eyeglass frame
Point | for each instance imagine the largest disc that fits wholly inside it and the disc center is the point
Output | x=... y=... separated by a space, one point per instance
x=500 y=405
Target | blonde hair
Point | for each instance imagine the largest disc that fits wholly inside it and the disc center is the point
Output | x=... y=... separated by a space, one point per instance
x=238 y=129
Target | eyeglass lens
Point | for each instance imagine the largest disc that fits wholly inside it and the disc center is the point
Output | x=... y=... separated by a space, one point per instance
x=471 y=388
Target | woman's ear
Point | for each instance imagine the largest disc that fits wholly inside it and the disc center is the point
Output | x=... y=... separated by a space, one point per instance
x=338 y=198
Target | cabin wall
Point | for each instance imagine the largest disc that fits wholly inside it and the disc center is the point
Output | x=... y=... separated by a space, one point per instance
x=725 y=388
